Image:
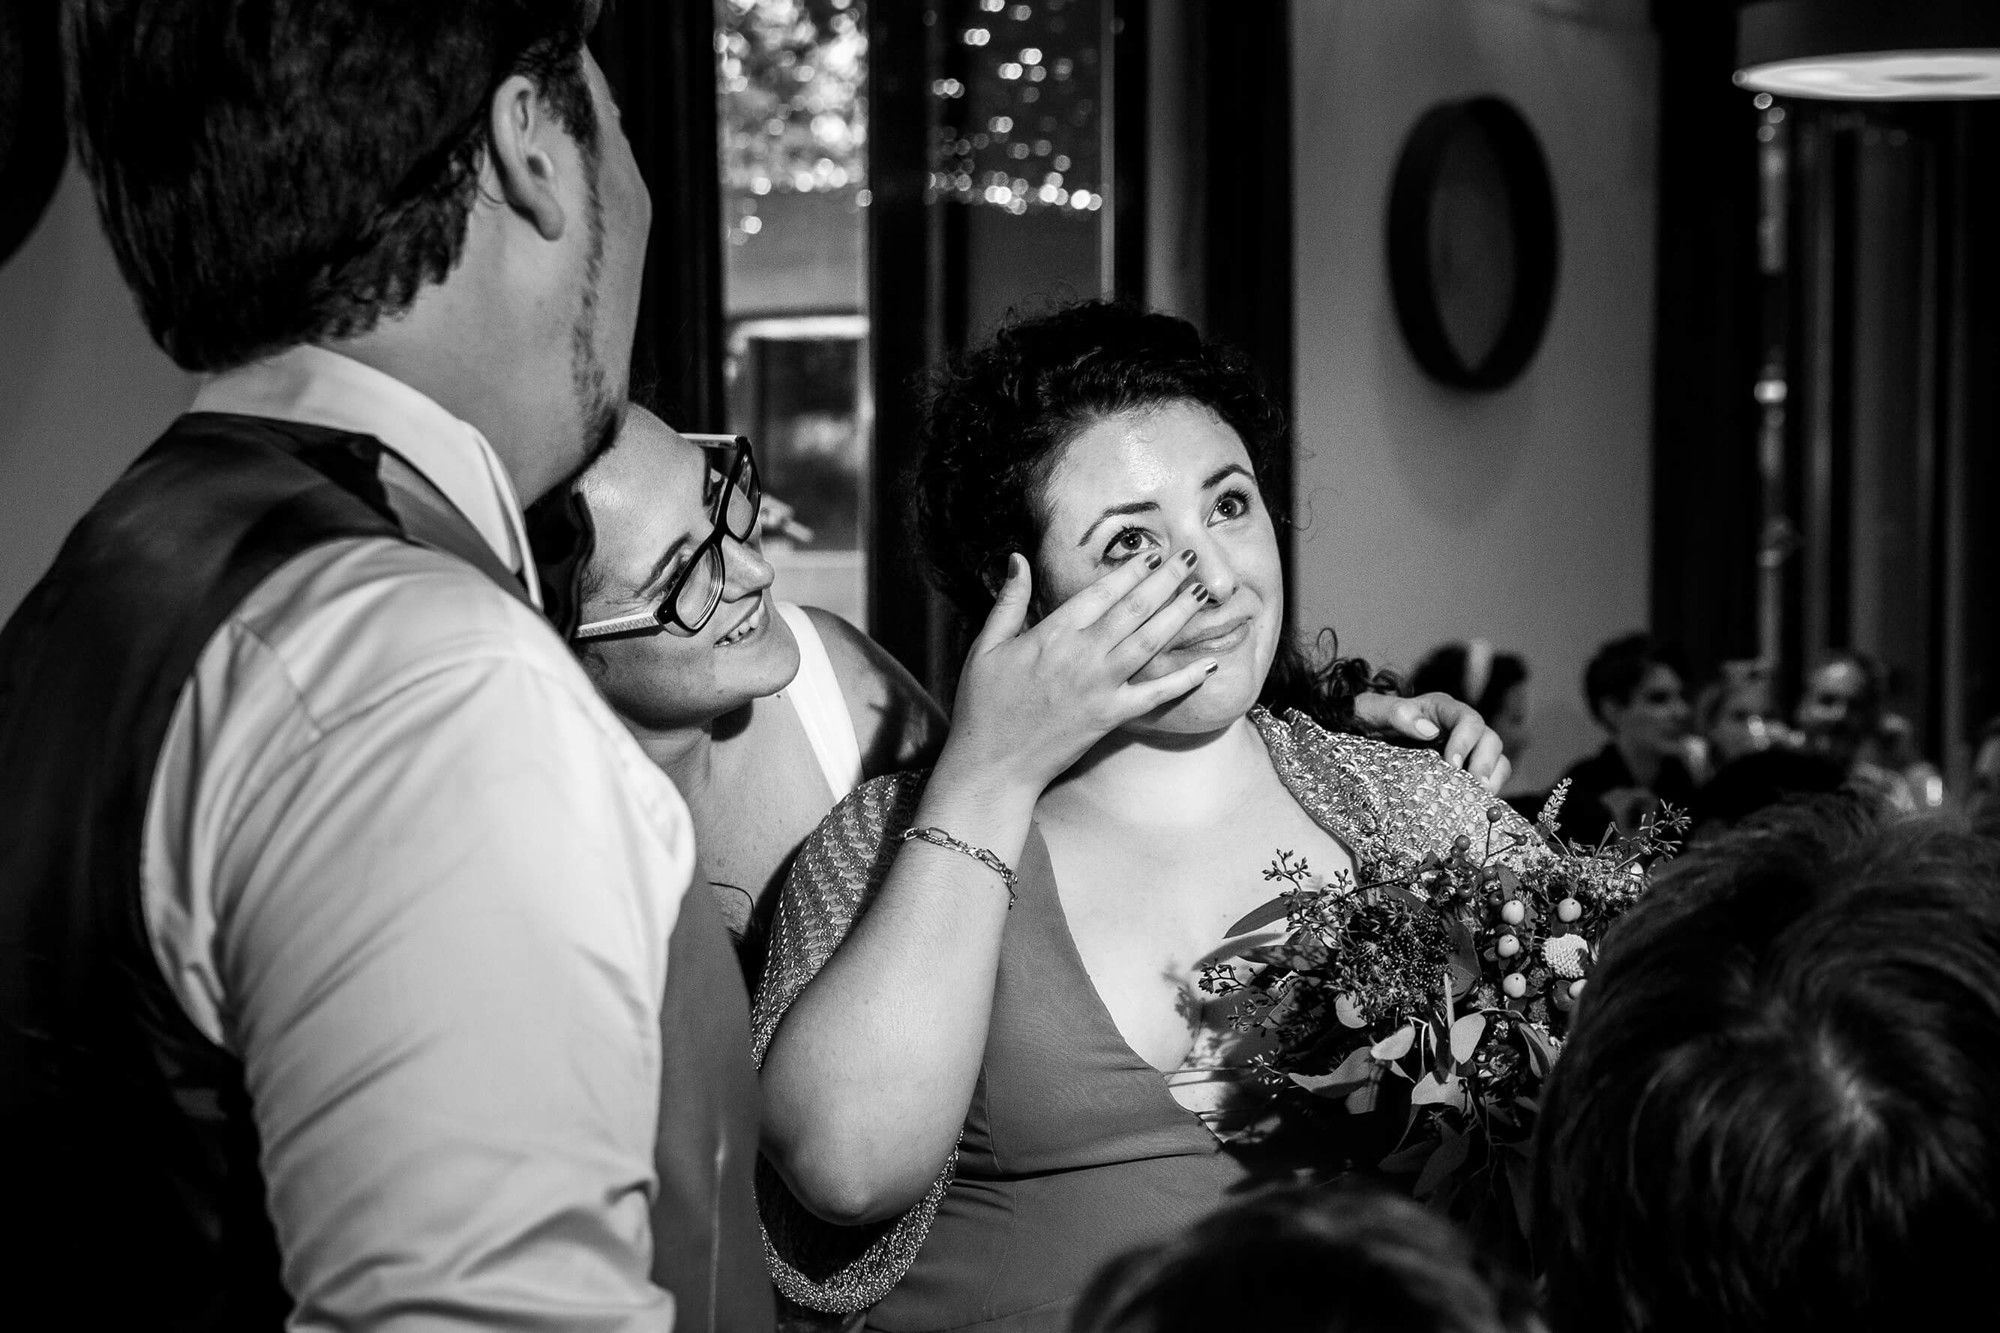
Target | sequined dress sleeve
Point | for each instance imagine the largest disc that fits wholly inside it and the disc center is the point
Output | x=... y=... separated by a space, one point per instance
x=1391 y=804
x=835 y=1269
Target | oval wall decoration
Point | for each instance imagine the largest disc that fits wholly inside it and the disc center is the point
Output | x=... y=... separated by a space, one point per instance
x=1472 y=243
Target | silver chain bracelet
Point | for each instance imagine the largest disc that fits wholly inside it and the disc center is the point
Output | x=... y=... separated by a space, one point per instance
x=937 y=837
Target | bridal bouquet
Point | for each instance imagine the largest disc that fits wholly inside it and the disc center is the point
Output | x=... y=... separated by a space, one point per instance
x=1441 y=990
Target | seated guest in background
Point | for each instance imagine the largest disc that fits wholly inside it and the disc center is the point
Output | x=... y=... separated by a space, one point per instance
x=1984 y=801
x=1634 y=692
x=1495 y=684
x=1843 y=714
x=1776 y=1109
x=1308 y=1261
x=763 y=713
x=1735 y=715
x=980 y=1016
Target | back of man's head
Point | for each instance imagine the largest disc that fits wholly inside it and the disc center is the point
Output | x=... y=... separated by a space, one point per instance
x=1777 y=1109
x=272 y=172
x=1340 y=1260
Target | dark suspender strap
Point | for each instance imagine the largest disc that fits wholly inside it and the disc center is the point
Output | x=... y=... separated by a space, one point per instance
x=432 y=520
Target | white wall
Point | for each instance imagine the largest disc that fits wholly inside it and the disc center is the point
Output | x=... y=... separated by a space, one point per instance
x=83 y=390
x=1427 y=513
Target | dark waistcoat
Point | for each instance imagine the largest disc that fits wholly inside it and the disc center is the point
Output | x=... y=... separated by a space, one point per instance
x=128 y=1154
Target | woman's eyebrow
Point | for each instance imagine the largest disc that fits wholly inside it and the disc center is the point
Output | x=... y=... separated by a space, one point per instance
x=1222 y=473
x=1115 y=511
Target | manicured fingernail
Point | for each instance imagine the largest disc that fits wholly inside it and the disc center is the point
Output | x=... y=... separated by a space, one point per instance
x=1199 y=592
x=1188 y=556
x=1209 y=670
x=1152 y=562
x=1427 y=728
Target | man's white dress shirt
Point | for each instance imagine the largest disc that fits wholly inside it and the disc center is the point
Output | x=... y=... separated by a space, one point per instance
x=405 y=864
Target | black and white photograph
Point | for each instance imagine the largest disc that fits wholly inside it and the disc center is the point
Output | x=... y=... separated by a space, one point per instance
x=999 y=666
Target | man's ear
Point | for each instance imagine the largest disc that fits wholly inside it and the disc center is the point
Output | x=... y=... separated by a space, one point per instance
x=524 y=157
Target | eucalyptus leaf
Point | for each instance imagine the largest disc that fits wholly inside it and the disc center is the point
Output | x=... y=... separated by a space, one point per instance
x=1541 y=1055
x=1396 y=1045
x=1347 y=1012
x=1433 y=1091
x=1452 y=1151
x=1465 y=1035
x=1411 y=1158
x=1357 y=1071
x=1403 y=895
x=1464 y=957
x=1278 y=909
x=1520 y=1183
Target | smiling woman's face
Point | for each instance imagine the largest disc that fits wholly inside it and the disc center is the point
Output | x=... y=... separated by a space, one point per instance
x=1156 y=482
x=651 y=499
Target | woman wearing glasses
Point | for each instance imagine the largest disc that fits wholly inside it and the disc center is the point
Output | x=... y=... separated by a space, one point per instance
x=764 y=714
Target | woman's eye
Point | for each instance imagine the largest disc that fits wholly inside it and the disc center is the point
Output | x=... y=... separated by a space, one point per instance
x=1234 y=504
x=1127 y=544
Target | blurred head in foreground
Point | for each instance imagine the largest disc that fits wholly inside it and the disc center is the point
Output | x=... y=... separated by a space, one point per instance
x=1307 y=1261
x=1776 y=1109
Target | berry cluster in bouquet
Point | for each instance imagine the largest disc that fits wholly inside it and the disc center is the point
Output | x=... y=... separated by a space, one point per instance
x=1439 y=992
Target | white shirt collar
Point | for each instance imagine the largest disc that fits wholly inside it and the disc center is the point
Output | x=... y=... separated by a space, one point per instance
x=321 y=388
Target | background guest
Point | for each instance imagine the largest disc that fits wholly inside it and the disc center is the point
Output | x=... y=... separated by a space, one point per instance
x=1635 y=694
x=1736 y=714
x=1308 y=1261
x=1495 y=684
x=1984 y=800
x=1844 y=714
x=1775 y=1111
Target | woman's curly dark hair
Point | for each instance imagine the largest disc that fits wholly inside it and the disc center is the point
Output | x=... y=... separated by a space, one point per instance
x=994 y=426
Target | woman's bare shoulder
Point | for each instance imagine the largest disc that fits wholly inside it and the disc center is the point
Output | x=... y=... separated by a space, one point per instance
x=896 y=722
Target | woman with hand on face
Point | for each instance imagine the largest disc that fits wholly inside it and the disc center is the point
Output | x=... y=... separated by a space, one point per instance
x=992 y=969
x=764 y=714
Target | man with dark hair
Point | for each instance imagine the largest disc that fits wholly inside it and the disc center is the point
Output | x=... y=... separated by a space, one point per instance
x=1635 y=694
x=348 y=972
x=1776 y=1110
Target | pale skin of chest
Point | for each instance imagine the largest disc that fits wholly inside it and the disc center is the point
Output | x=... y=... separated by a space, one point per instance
x=1147 y=906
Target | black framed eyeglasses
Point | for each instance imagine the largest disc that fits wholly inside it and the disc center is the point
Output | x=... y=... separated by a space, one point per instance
x=691 y=598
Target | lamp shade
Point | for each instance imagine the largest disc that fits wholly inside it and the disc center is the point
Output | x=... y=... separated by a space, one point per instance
x=1870 y=50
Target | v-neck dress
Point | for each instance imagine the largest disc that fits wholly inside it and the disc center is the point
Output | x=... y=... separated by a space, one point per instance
x=1074 y=1150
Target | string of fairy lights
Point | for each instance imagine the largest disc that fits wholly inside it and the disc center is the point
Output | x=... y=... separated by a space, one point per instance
x=1015 y=121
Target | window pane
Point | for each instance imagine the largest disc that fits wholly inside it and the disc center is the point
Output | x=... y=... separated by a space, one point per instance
x=1021 y=144
x=793 y=121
